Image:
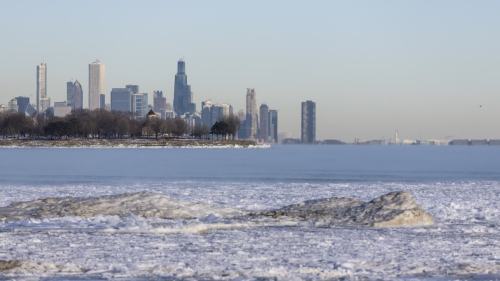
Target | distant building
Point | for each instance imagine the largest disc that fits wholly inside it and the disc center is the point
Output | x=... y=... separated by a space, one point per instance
x=273 y=126
x=12 y=105
x=23 y=106
x=191 y=120
x=160 y=104
x=102 y=102
x=121 y=100
x=61 y=109
x=183 y=97
x=3 y=108
x=211 y=113
x=41 y=86
x=333 y=142
x=44 y=104
x=494 y=142
x=308 y=122
x=206 y=113
x=264 y=123
x=252 y=116
x=140 y=105
x=153 y=115
x=74 y=95
x=473 y=142
x=134 y=89
x=96 y=84
x=291 y=141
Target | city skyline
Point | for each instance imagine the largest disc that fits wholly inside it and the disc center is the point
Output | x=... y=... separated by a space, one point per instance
x=427 y=66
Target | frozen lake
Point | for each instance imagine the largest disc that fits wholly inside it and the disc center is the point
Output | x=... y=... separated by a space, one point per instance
x=459 y=186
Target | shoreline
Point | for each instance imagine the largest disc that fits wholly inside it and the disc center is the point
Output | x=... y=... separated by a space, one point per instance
x=128 y=143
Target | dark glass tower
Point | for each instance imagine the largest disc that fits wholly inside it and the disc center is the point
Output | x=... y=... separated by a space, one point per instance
x=183 y=98
x=308 y=124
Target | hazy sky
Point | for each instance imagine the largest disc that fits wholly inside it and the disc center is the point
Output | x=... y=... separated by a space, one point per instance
x=423 y=67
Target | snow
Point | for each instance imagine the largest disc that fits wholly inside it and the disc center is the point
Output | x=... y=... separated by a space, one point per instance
x=464 y=243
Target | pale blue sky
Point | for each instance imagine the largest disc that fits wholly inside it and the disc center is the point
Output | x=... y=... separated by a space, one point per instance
x=422 y=67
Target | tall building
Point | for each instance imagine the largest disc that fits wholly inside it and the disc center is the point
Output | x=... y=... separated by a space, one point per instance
x=96 y=84
x=41 y=86
x=140 y=105
x=102 y=102
x=252 y=116
x=264 y=123
x=160 y=104
x=211 y=113
x=121 y=100
x=183 y=97
x=308 y=124
x=23 y=106
x=273 y=126
x=74 y=95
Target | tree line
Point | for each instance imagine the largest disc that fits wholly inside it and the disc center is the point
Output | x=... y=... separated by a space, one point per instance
x=109 y=125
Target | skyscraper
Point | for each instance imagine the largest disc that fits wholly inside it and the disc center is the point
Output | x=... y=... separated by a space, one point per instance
x=160 y=104
x=41 y=87
x=273 y=126
x=211 y=113
x=102 y=101
x=74 y=95
x=252 y=117
x=264 y=123
x=183 y=97
x=308 y=124
x=121 y=100
x=140 y=105
x=96 y=84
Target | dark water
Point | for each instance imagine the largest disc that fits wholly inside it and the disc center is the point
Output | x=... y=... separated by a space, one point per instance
x=279 y=163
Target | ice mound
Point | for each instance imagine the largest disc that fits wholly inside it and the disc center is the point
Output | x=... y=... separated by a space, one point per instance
x=395 y=209
x=143 y=204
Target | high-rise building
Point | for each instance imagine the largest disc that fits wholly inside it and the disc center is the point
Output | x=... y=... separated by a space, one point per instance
x=22 y=103
x=308 y=124
x=102 y=102
x=273 y=126
x=140 y=105
x=74 y=95
x=252 y=116
x=264 y=123
x=206 y=113
x=121 y=100
x=96 y=84
x=160 y=104
x=23 y=106
x=41 y=86
x=211 y=113
x=183 y=97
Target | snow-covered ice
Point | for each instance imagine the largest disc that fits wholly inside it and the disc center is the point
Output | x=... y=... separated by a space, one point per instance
x=464 y=243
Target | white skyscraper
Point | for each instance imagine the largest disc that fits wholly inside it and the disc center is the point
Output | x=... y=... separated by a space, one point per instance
x=252 y=116
x=96 y=84
x=41 y=86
